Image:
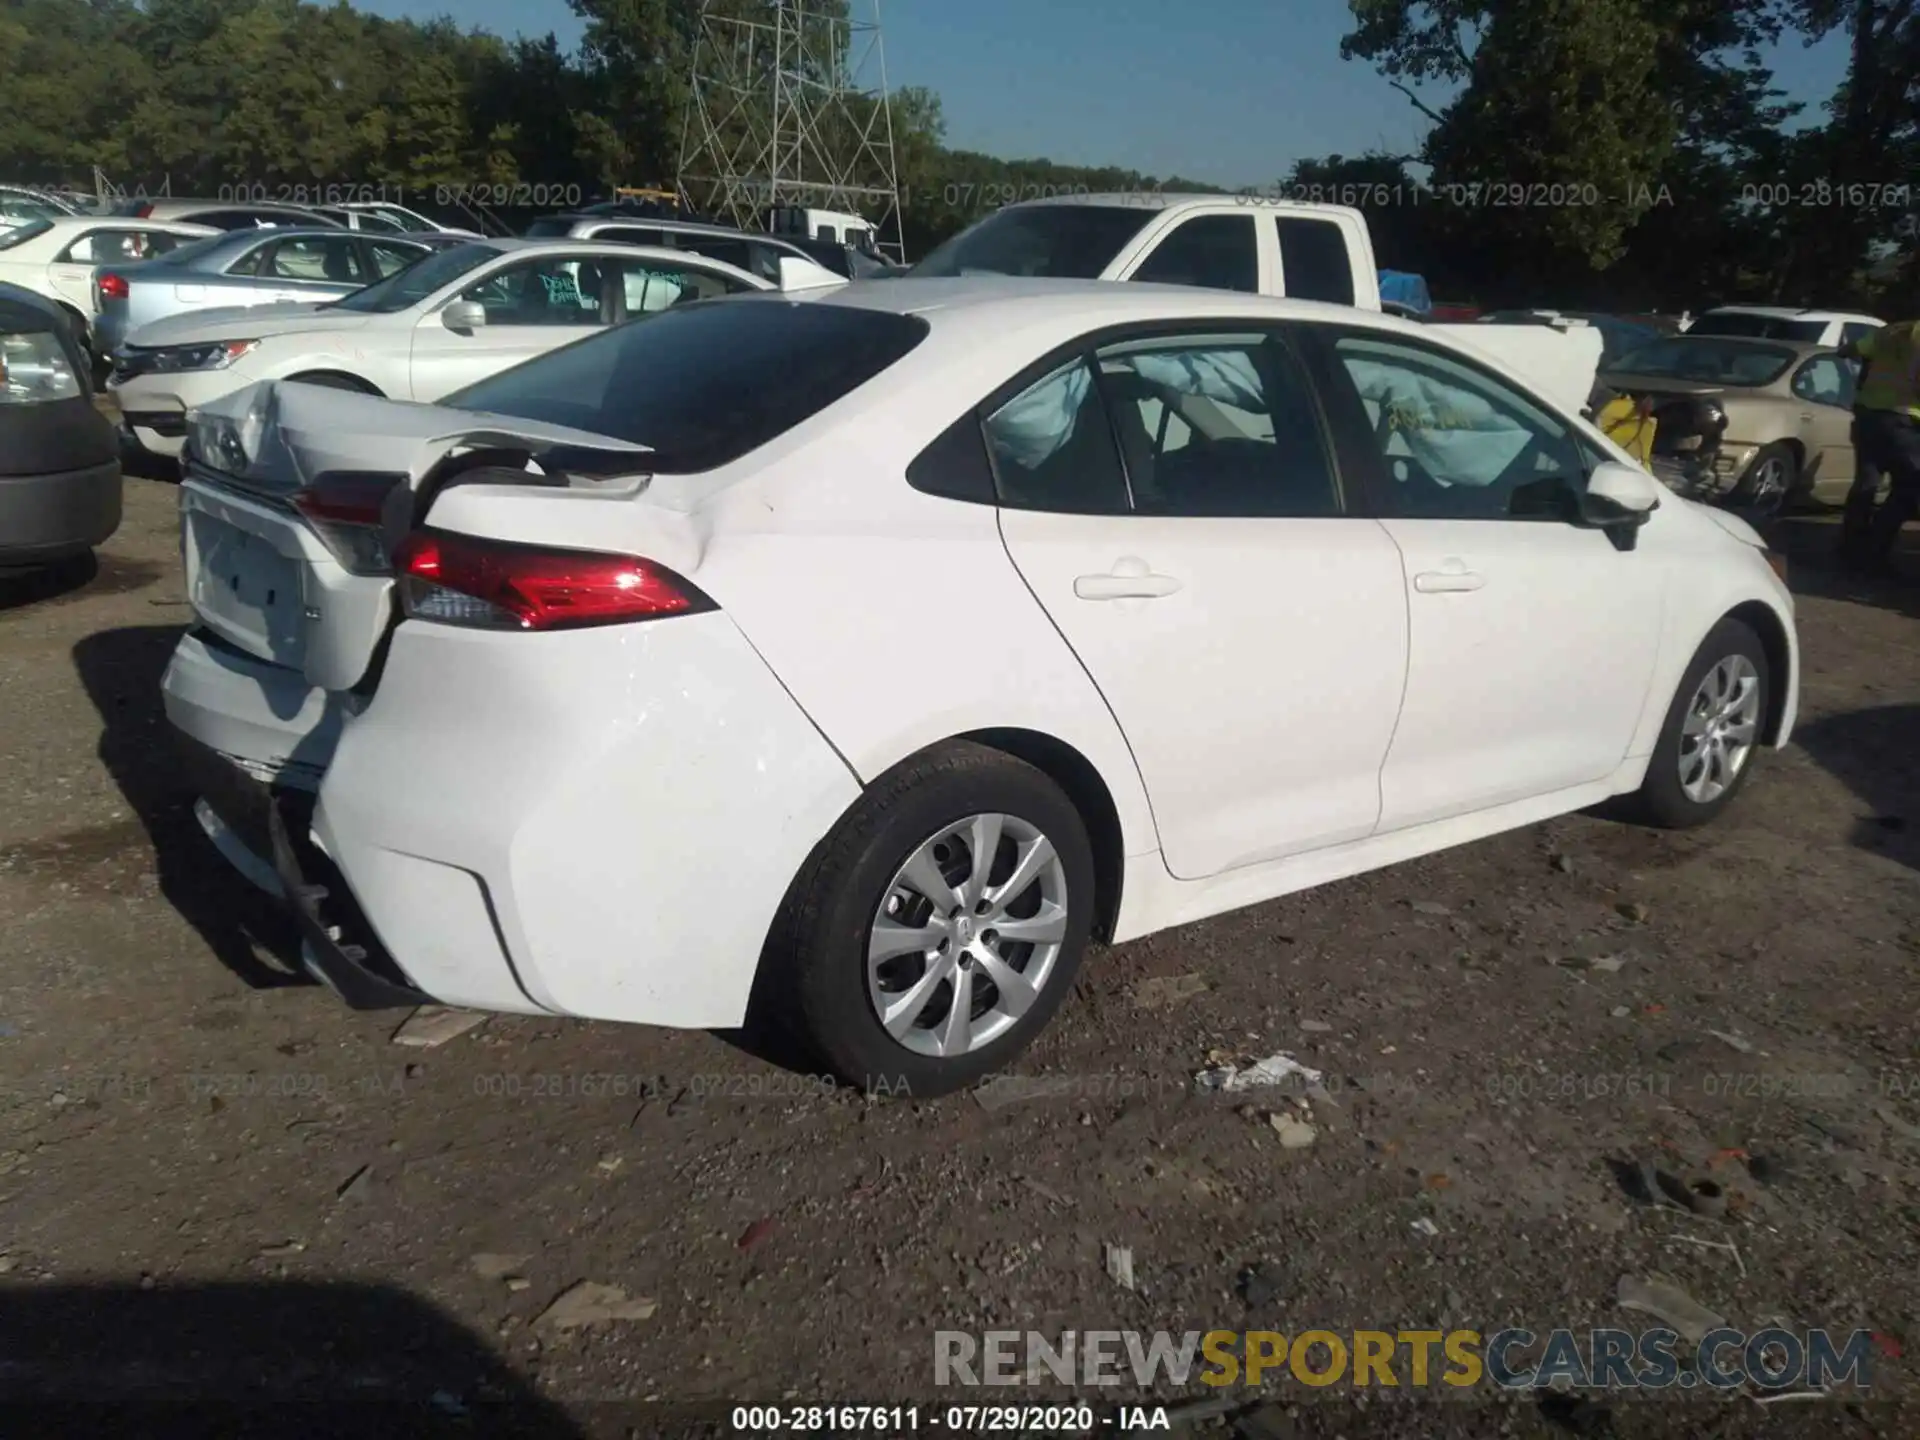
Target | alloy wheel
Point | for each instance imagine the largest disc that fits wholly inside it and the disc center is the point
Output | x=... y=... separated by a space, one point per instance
x=966 y=935
x=1722 y=725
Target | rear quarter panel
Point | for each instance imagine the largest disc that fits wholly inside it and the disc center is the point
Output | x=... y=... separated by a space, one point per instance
x=896 y=618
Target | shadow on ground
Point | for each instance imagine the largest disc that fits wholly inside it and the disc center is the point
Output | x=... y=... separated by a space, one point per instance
x=279 y=1358
x=1809 y=540
x=1876 y=754
x=121 y=671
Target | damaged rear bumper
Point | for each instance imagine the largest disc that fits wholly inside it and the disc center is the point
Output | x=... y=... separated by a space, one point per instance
x=337 y=945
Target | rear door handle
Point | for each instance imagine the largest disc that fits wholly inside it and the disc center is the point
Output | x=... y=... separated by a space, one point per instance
x=1130 y=579
x=1446 y=582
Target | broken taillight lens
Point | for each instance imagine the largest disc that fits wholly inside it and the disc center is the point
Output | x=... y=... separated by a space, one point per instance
x=345 y=510
x=498 y=585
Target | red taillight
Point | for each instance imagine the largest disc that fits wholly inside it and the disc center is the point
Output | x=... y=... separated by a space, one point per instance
x=344 y=510
x=113 y=287
x=492 y=584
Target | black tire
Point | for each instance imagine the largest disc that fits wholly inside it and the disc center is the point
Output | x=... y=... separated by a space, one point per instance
x=819 y=946
x=333 y=380
x=1662 y=800
x=1769 y=500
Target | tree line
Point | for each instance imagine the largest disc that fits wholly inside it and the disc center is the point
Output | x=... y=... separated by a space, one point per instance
x=1606 y=153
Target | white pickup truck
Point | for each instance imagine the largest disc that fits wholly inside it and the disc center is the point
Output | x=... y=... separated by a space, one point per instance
x=1267 y=247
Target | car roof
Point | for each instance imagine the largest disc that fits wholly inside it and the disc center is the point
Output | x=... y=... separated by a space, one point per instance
x=61 y=223
x=990 y=302
x=1150 y=202
x=1787 y=312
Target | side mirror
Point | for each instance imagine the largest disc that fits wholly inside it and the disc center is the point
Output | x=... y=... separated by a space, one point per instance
x=464 y=315
x=1619 y=499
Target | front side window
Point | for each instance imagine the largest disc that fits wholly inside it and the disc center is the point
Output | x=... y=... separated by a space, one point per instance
x=1454 y=442
x=1219 y=427
x=1823 y=380
x=1053 y=449
x=1854 y=331
x=389 y=259
x=1217 y=252
x=556 y=290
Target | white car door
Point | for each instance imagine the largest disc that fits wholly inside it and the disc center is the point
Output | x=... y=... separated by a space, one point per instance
x=1533 y=638
x=1172 y=503
x=532 y=306
x=70 y=273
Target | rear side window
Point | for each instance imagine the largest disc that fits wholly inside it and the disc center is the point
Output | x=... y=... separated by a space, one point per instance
x=1053 y=448
x=554 y=227
x=1216 y=252
x=1314 y=260
x=1856 y=331
x=715 y=247
x=703 y=384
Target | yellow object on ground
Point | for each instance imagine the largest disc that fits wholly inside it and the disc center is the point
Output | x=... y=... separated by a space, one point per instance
x=1621 y=422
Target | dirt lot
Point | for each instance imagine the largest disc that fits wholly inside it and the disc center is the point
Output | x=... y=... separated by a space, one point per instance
x=219 y=1185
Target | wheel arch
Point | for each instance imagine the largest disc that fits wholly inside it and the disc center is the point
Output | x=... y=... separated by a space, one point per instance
x=1088 y=792
x=338 y=380
x=1765 y=622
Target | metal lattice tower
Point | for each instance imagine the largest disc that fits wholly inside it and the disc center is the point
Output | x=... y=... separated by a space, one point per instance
x=788 y=106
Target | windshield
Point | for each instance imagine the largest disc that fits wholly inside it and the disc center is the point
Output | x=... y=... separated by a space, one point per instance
x=1758 y=327
x=1064 y=242
x=1710 y=361
x=23 y=233
x=406 y=288
x=704 y=383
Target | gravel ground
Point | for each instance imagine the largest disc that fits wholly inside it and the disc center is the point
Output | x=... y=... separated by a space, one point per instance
x=220 y=1189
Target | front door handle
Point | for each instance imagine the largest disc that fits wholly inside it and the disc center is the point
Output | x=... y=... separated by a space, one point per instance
x=1130 y=579
x=1448 y=582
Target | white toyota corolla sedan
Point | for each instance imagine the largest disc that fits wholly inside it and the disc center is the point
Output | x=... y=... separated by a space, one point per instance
x=858 y=657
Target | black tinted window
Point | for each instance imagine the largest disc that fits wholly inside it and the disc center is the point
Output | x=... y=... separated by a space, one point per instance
x=1314 y=263
x=703 y=384
x=715 y=247
x=1062 y=242
x=631 y=235
x=553 y=227
x=1053 y=447
x=1218 y=252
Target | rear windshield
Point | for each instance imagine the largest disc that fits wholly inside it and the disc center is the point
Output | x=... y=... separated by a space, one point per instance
x=705 y=383
x=1062 y=242
x=1709 y=361
x=1759 y=327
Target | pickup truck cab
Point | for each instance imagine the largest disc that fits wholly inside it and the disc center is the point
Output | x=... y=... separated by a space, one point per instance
x=1237 y=242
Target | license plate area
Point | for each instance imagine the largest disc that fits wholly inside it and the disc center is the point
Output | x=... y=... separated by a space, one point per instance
x=245 y=589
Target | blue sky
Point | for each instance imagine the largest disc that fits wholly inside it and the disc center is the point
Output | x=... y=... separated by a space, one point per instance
x=1225 y=91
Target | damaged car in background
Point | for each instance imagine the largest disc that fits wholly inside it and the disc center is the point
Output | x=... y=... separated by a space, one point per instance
x=1753 y=424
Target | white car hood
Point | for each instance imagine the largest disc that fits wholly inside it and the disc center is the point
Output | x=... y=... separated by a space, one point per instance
x=245 y=322
x=1734 y=526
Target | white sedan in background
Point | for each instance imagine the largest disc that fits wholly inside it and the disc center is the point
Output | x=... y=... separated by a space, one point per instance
x=853 y=658
x=445 y=322
x=56 y=256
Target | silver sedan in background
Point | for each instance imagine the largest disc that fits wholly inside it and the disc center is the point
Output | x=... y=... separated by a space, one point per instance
x=248 y=268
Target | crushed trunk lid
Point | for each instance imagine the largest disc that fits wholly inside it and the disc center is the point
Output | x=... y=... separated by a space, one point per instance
x=265 y=580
